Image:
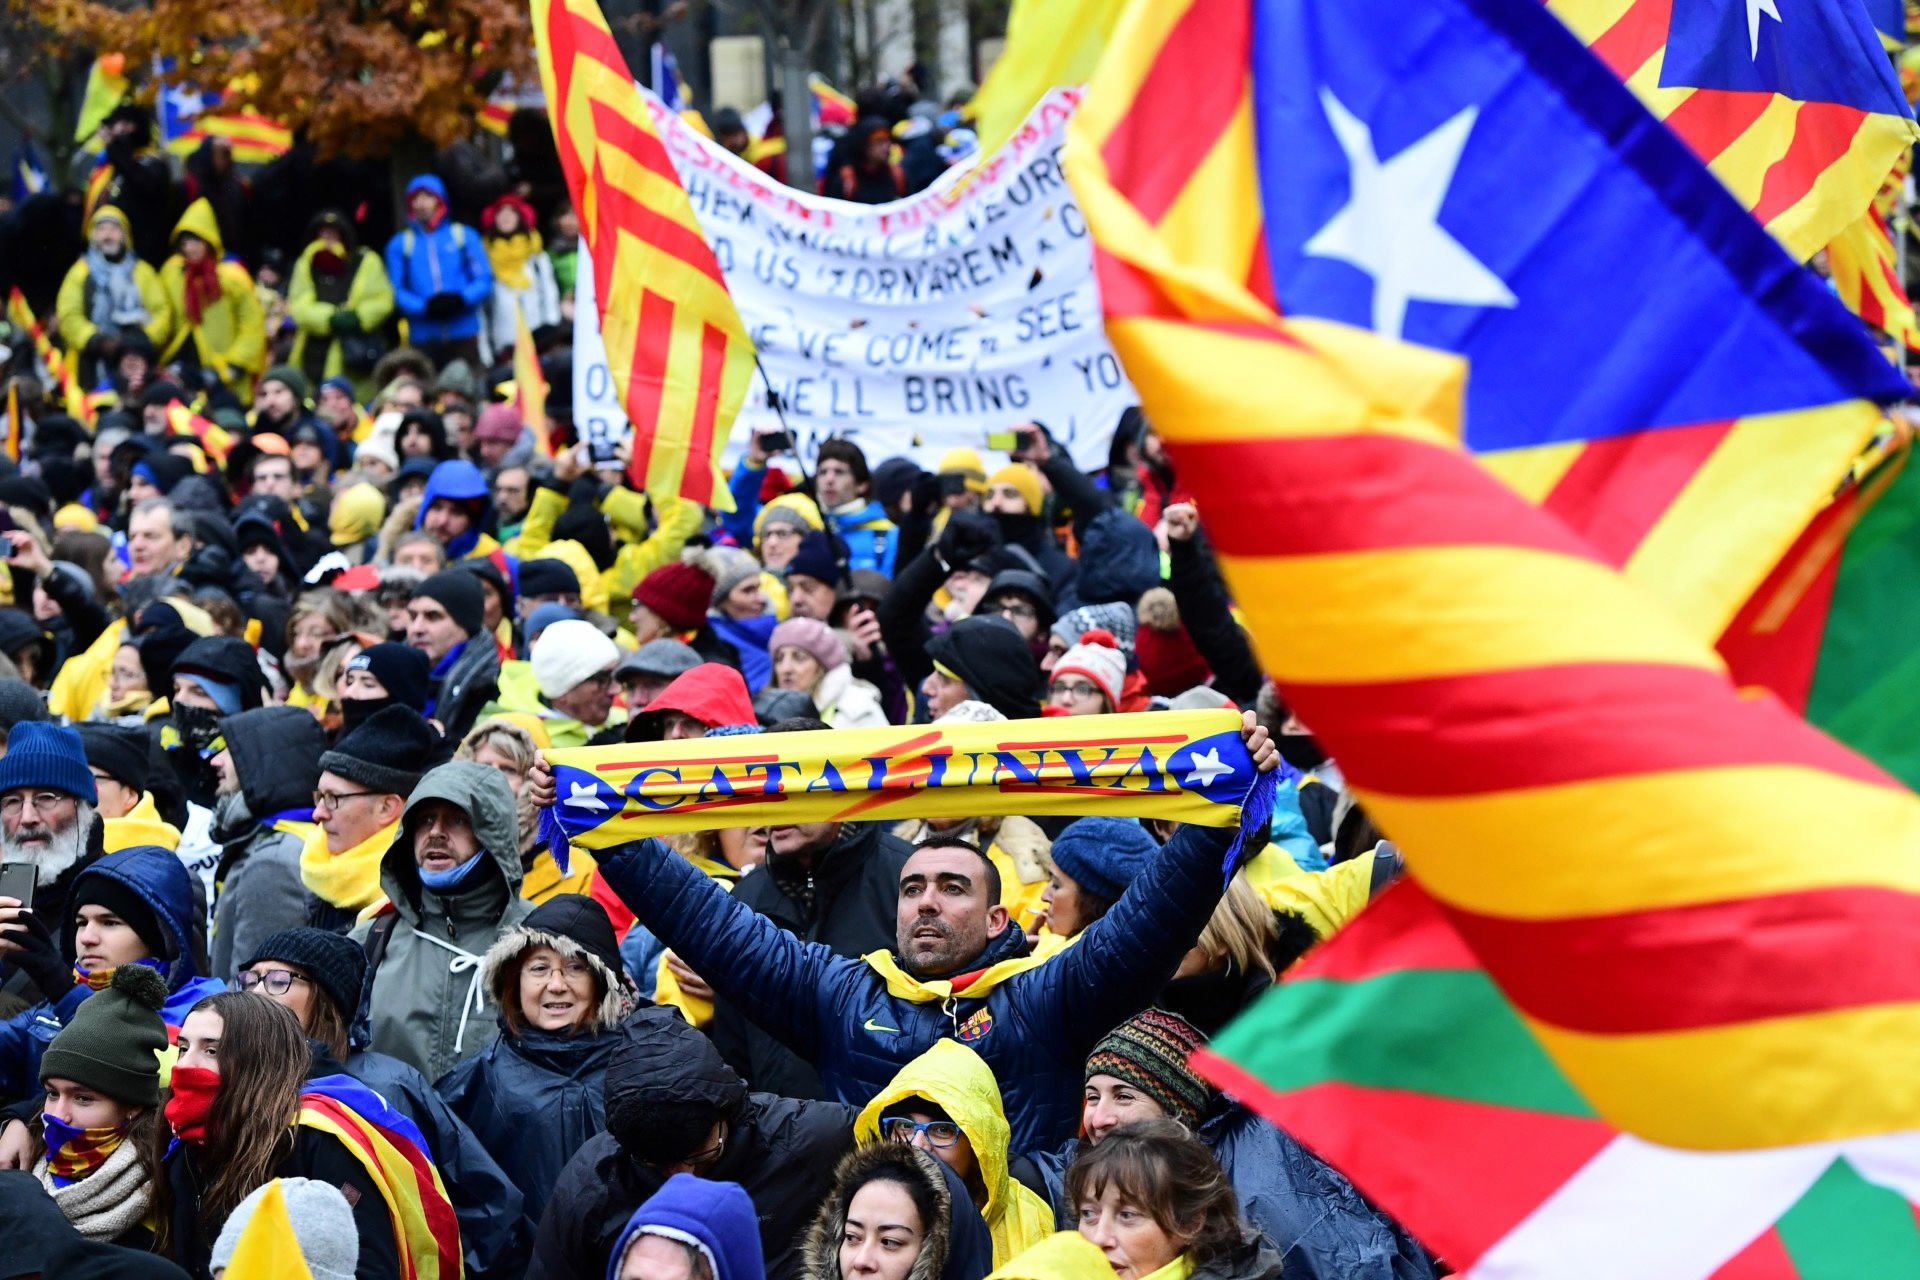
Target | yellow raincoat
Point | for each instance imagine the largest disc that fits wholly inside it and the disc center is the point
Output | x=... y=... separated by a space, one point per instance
x=72 y=315
x=369 y=297
x=954 y=1078
x=639 y=552
x=1066 y=1256
x=231 y=338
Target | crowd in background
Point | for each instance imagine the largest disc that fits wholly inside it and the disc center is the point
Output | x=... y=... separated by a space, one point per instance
x=297 y=599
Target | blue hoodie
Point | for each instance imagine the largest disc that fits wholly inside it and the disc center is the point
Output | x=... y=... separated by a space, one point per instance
x=448 y=257
x=159 y=879
x=716 y=1217
x=462 y=481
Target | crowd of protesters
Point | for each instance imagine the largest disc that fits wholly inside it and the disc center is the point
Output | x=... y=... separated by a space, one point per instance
x=297 y=599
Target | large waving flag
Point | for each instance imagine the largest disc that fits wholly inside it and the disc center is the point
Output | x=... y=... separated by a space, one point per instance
x=1050 y=44
x=1702 y=908
x=1794 y=104
x=676 y=347
x=1493 y=1159
x=1647 y=365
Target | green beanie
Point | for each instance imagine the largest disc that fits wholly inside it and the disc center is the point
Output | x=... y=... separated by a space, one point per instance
x=294 y=380
x=115 y=1039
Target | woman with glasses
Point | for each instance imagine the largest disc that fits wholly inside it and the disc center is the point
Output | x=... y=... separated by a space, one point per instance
x=1088 y=679
x=534 y=1095
x=129 y=908
x=318 y=975
x=809 y=657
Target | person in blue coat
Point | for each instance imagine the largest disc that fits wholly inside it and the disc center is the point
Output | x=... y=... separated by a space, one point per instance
x=441 y=276
x=319 y=975
x=962 y=968
x=130 y=907
x=533 y=1096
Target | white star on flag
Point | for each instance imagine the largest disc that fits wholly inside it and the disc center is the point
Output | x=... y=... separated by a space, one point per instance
x=1754 y=9
x=1206 y=767
x=585 y=796
x=1390 y=229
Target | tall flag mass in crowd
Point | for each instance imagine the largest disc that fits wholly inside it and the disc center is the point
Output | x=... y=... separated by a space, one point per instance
x=1566 y=510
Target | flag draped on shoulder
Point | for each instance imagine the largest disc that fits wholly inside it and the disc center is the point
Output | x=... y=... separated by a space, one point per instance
x=1795 y=106
x=1699 y=905
x=1646 y=364
x=397 y=1158
x=679 y=355
x=1494 y=1160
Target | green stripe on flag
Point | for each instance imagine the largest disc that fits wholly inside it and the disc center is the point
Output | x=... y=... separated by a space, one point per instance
x=1846 y=1228
x=1444 y=1032
x=1866 y=681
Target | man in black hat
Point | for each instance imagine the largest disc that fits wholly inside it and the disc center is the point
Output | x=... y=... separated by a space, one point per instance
x=262 y=817
x=363 y=788
x=446 y=620
x=813 y=578
x=982 y=660
x=547 y=581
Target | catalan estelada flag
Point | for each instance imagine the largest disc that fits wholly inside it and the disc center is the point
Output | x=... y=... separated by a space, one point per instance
x=1795 y=106
x=256 y=139
x=397 y=1158
x=1494 y=1160
x=1701 y=907
x=1866 y=268
x=676 y=347
x=1692 y=409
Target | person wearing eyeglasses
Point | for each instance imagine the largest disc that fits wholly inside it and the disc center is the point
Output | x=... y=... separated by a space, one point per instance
x=947 y=1103
x=572 y=664
x=262 y=817
x=362 y=791
x=48 y=818
x=534 y=1095
x=131 y=907
x=1088 y=679
x=318 y=975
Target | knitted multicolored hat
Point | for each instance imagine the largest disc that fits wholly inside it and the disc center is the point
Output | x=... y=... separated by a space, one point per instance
x=1149 y=1051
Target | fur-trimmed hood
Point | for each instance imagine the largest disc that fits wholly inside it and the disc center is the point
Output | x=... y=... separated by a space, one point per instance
x=822 y=1255
x=573 y=925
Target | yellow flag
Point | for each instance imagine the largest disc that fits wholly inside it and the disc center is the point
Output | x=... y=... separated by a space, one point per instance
x=1050 y=43
x=268 y=1249
x=529 y=383
x=107 y=84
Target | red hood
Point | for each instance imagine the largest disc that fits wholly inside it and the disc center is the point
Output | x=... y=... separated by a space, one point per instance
x=711 y=693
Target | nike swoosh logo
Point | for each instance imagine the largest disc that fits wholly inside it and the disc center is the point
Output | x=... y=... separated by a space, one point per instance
x=874 y=1026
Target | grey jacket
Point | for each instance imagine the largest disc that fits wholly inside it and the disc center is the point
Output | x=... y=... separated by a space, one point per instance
x=427 y=1005
x=260 y=892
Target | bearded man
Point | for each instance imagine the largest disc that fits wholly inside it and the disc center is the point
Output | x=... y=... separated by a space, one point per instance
x=47 y=801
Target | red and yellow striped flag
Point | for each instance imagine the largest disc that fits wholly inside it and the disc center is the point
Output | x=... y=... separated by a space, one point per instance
x=1798 y=111
x=1866 y=267
x=73 y=397
x=215 y=440
x=388 y=1146
x=1702 y=907
x=530 y=383
x=676 y=347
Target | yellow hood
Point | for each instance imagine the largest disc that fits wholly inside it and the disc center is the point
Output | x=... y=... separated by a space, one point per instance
x=958 y=1081
x=593 y=591
x=199 y=220
x=357 y=512
x=1067 y=1256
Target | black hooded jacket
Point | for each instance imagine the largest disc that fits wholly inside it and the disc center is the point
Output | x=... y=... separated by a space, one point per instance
x=276 y=755
x=779 y=1149
x=856 y=887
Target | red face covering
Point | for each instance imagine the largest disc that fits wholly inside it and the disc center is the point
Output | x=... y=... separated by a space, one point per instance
x=190 y=1109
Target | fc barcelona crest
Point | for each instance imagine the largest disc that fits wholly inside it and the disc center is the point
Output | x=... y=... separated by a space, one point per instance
x=976 y=1027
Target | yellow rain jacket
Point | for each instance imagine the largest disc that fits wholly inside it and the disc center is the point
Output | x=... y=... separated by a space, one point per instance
x=231 y=338
x=80 y=685
x=1066 y=1256
x=954 y=1078
x=639 y=552
x=72 y=315
x=1324 y=899
x=369 y=296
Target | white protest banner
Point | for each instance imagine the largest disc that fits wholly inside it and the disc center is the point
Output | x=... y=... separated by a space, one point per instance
x=912 y=327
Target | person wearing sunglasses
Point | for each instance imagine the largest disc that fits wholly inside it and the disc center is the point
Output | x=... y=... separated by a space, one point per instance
x=947 y=1103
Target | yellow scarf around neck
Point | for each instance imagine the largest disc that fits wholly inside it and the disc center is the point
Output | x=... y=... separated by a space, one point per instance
x=349 y=880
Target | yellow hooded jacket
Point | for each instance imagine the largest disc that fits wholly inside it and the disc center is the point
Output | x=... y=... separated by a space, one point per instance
x=639 y=552
x=231 y=338
x=956 y=1079
x=71 y=314
x=369 y=297
x=1066 y=1256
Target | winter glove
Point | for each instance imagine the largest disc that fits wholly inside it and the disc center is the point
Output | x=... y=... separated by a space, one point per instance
x=968 y=537
x=446 y=306
x=39 y=958
x=344 y=321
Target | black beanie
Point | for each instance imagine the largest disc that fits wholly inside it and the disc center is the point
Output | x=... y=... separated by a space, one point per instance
x=401 y=669
x=117 y=751
x=993 y=659
x=337 y=965
x=113 y=1041
x=121 y=899
x=388 y=753
x=458 y=592
x=548 y=577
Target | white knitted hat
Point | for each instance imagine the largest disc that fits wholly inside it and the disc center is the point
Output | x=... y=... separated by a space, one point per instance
x=569 y=651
